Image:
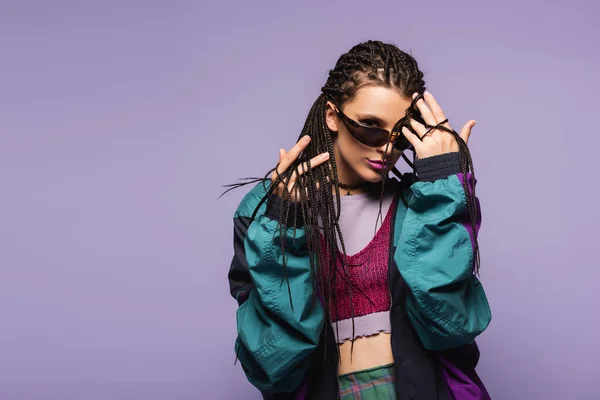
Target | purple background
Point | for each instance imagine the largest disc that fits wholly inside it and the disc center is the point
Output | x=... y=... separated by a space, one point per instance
x=120 y=120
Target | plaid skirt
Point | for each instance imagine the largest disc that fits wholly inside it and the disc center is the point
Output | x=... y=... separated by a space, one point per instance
x=369 y=384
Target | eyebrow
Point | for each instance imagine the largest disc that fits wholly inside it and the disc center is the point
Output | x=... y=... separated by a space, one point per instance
x=371 y=116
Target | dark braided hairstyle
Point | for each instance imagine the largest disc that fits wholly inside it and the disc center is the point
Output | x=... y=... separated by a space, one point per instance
x=318 y=207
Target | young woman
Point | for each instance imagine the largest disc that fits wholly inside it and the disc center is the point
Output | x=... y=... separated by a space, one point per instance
x=353 y=284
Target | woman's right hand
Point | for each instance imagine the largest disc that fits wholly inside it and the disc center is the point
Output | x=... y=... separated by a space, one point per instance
x=287 y=158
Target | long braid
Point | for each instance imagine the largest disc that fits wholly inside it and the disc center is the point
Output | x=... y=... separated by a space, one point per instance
x=318 y=203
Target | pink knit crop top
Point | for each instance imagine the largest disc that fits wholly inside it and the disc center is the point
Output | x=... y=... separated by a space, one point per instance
x=364 y=288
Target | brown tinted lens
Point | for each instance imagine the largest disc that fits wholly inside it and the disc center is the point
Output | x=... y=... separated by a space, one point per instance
x=401 y=142
x=372 y=136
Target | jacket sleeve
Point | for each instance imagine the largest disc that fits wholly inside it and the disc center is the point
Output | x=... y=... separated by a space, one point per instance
x=275 y=338
x=446 y=305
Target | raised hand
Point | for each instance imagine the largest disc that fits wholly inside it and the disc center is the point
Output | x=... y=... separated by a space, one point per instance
x=432 y=142
x=286 y=158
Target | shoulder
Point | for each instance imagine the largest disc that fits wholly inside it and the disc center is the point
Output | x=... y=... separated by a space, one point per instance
x=249 y=202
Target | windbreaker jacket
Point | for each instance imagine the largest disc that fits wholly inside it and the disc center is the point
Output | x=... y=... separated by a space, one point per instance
x=438 y=305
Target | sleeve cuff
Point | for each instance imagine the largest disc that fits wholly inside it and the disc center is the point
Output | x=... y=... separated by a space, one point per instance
x=274 y=206
x=430 y=169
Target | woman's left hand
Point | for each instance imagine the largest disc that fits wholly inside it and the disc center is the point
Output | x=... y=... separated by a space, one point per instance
x=437 y=141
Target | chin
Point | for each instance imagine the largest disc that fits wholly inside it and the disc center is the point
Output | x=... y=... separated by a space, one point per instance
x=372 y=176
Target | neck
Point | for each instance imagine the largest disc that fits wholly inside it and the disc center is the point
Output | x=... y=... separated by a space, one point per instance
x=348 y=190
x=348 y=177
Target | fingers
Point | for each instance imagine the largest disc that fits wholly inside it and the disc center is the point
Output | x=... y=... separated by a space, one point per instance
x=314 y=162
x=437 y=111
x=293 y=154
x=428 y=141
x=274 y=175
x=292 y=186
x=466 y=130
x=419 y=129
x=287 y=158
x=411 y=137
x=431 y=118
x=426 y=112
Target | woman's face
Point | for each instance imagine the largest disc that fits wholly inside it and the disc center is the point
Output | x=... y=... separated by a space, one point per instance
x=373 y=105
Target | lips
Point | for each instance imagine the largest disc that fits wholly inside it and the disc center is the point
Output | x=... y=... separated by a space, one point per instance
x=377 y=164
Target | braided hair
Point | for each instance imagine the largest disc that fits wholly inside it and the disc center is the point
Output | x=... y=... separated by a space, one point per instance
x=318 y=188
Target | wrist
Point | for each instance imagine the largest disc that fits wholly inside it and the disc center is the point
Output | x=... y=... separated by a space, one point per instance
x=275 y=205
x=436 y=167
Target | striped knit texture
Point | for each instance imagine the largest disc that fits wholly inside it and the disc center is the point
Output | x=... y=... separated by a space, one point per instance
x=368 y=272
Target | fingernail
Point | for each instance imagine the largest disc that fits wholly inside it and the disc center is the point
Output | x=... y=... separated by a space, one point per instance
x=427 y=94
x=306 y=139
x=324 y=156
x=474 y=122
x=415 y=94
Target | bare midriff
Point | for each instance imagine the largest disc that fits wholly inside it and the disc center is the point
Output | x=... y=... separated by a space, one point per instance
x=368 y=352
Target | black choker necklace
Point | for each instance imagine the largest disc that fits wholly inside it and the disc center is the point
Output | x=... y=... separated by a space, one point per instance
x=353 y=186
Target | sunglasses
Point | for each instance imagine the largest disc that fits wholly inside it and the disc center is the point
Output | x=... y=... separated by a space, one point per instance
x=374 y=136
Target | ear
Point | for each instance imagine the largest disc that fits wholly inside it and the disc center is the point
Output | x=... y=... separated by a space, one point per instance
x=331 y=117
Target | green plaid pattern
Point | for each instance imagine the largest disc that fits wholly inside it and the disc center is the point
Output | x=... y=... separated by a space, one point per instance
x=370 y=384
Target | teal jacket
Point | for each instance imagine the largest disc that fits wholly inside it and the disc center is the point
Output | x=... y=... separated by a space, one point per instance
x=432 y=247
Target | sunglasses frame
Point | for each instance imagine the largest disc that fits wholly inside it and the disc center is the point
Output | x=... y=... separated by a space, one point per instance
x=395 y=137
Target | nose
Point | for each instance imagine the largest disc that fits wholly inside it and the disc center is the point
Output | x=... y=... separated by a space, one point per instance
x=386 y=148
